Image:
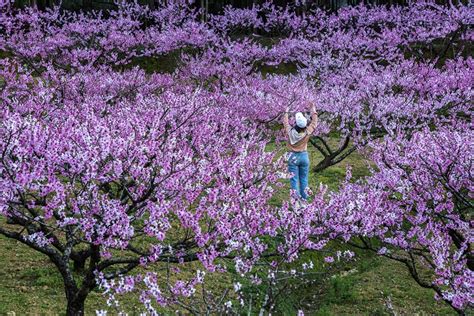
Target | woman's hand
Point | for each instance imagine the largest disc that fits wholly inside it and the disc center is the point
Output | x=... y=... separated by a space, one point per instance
x=313 y=107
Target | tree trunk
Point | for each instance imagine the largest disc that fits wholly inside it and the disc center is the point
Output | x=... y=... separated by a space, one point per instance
x=41 y=5
x=75 y=302
x=79 y=265
x=203 y=5
x=75 y=299
x=75 y=307
x=323 y=164
x=76 y=296
x=87 y=4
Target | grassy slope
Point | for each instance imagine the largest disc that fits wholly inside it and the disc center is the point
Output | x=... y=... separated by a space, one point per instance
x=30 y=283
x=365 y=286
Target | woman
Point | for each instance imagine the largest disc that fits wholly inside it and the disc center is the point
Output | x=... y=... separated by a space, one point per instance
x=298 y=160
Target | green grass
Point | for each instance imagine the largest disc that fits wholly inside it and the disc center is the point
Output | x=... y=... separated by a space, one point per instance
x=365 y=286
x=31 y=284
x=368 y=286
x=331 y=176
x=29 y=281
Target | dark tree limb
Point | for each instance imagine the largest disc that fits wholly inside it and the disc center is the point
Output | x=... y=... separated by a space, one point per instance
x=331 y=156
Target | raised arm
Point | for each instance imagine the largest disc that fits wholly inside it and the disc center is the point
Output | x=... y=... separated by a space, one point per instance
x=314 y=120
x=286 y=124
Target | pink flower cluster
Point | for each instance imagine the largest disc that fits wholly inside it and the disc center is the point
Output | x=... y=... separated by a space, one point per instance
x=104 y=162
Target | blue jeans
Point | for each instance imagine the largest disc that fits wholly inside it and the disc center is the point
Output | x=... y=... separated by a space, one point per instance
x=298 y=165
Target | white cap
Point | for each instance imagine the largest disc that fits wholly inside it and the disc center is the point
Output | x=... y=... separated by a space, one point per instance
x=301 y=120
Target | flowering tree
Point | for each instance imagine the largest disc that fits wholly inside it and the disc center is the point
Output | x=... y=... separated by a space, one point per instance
x=111 y=171
x=332 y=53
x=86 y=176
x=418 y=208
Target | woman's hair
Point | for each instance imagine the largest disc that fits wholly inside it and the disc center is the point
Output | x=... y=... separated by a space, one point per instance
x=299 y=129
